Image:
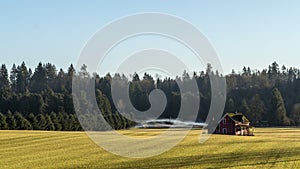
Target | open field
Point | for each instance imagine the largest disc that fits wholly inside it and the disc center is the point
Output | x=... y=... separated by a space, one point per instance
x=269 y=148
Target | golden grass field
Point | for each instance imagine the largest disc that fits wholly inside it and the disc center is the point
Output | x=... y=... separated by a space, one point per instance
x=269 y=148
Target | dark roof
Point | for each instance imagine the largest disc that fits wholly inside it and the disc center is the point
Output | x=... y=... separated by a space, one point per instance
x=244 y=125
x=238 y=117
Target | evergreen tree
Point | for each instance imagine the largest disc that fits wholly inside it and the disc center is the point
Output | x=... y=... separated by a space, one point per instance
x=77 y=125
x=21 y=122
x=71 y=73
x=68 y=103
x=61 y=120
x=245 y=108
x=11 y=121
x=4 y=82
x=256 y=108
x=50 y=95
x=295 y=114
x=51 y=75
x=69 y=122
x=49 y=124
x=60 y=82
x=22 y=79
x=278 y=115
x=230 y=106
x=39 y=79
x=33 y=121
x=3 y=123
x=31 y=103
x=13 y=78
x=56 y=122
x=42 y=122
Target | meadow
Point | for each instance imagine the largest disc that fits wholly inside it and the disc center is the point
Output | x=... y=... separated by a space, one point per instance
x=269 y=148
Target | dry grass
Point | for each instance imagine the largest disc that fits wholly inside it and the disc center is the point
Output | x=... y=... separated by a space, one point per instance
x=269 y=148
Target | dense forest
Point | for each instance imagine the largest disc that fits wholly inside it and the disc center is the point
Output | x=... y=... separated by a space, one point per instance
x=42 y=99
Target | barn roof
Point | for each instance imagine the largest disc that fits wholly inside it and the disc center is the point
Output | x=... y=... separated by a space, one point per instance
x=238 y=117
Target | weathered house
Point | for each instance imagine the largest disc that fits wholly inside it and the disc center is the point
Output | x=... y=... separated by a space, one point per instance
x=234 y=124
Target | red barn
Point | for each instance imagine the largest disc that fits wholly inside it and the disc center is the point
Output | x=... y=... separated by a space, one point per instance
x=234 y=124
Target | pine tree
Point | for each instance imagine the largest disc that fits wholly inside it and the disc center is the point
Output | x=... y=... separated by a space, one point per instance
x=256 y=108
x=278 y=115
x=54 y=119
x=42 y=123
x=21 y=122
x=230 y=105
x=22 y=79
x=61 y=120
x=39 y=79
x=11 y=121
x=13 y=78
x=245 y=108
x=49 y=124
x=33 y=121
x=3 y=123
x=4 y=82
x=295 y=114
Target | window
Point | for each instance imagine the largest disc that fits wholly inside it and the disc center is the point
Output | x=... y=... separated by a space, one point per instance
x=224 y=130
x=224 y=121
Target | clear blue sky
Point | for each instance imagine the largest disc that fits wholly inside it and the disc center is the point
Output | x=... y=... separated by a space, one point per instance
x=251 y=33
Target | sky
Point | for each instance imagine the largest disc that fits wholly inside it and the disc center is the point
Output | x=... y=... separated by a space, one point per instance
x=244 y=33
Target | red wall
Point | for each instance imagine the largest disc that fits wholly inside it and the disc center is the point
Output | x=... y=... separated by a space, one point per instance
x=229 y=125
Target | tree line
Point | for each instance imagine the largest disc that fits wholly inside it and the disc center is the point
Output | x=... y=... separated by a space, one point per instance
x=268 y=97
x=42 y=99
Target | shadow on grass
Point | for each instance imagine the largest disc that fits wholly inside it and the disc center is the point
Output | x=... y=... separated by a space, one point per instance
x=271 y=158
